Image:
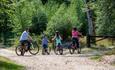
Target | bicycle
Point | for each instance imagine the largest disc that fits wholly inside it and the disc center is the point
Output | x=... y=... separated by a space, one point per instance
x=73 y=47
x=58 y=49
x=21 y=49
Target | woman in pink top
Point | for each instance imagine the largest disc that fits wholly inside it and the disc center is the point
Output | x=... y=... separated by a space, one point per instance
x=75 y=36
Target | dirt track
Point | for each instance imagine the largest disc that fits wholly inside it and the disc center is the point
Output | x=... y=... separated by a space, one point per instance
x=56 y=62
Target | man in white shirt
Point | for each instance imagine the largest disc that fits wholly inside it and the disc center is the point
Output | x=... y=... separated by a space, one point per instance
x=25 y=37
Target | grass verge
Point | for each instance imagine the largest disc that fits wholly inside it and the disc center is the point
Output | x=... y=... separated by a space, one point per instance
x=111 y=52
x=6 y=64
x=96 y=57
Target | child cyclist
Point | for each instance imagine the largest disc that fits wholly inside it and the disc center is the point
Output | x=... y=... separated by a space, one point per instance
x=44 y=45
x=57 y=39
x=75 y=37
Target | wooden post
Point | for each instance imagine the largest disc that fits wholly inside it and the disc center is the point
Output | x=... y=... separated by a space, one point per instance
x=88 y=41
x=90 y=25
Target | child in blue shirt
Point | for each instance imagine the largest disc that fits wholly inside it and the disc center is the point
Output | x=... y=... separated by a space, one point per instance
x=45 y=45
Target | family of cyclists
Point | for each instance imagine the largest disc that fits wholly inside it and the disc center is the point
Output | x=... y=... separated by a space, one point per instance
x=26 y=38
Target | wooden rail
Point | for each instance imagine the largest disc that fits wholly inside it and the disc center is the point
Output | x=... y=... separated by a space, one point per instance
x=104 y=36
x=89 y=38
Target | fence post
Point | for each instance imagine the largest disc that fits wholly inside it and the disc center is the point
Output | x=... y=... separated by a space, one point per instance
x=88 y=41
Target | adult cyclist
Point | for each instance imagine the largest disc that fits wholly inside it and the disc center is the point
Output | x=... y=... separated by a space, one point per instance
x=26 y=38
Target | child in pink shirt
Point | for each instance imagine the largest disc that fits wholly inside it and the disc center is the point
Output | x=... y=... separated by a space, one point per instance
x=75 y=37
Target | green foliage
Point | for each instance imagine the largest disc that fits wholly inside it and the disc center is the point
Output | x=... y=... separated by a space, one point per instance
x=52 y=15
x=44 y=1
x=39 y=23
x=58 y=22
x=6 y=25
x=22 y=16
x=50 y=8
x=82 y=21
x=64 y=20
x=24 y=11
x=59 y=1
x=105 y=21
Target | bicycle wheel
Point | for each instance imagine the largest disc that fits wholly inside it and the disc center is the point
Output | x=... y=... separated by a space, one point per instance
x=79 y=50
x=71 y=49
x=49 y=49
x=19 y=50
x=61 y=51
x=34 y=49
x=56 y=50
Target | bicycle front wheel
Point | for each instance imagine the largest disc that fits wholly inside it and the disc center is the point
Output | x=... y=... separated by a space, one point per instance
x=79 y=50
x=34 y=49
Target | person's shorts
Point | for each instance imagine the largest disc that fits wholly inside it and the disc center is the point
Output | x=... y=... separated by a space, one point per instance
x=23 y=42
x=75 y=41
x=45 y=46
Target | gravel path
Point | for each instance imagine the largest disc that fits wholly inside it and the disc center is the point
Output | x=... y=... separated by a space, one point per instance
x=56 y=62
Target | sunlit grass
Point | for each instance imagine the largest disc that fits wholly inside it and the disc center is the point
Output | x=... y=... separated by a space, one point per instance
x=111 y=52
x=96 y=57
x=6 y=64
x=113 y=64
x=105 y=42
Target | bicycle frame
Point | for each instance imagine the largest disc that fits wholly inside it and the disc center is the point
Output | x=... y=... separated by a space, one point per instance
x=59 y=46
x=74 y=45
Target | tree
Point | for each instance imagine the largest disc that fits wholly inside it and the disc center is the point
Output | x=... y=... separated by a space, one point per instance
x=44 y=1
x=6 y=25
x=23 y=15
x=105 y=17
x=39 y=23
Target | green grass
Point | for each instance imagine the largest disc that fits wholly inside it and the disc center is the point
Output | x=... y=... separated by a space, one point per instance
x=96 y=57
x=105 y=42
x=6 y=64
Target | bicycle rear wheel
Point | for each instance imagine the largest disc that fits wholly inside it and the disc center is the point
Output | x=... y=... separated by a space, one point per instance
x=19 y=50
x=71 y=50
x=34 y=49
